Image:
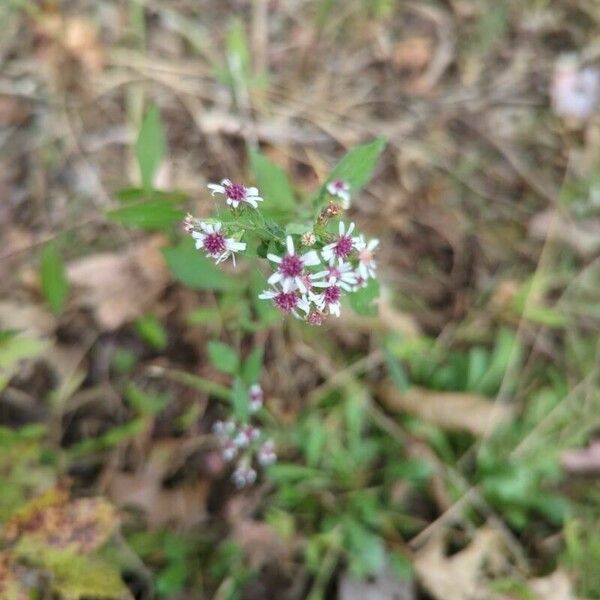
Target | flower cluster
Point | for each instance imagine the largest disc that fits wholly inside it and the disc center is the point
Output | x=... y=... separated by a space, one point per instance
x=309 y=285
x=245 y=443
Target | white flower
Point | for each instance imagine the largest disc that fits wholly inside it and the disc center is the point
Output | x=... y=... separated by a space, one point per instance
x=287 y=301
x=290 y=270
x=340 y=189
x=575 y=91
x=342 y=247
x=243 y=476
x=343 y=274
x=236 y=193
x=367 y=267
x=266 y=454
x=329 y=299
x=214 y=243
x=256 y=398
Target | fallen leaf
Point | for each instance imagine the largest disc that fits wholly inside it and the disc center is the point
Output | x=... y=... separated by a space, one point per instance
x=448 y=410
x=556 y=586
x=582 y=461
x=384 y=586
x=582 y=236
x=413 y=54
x=119 y=287
x=79 y=526
x=144 y=489
x=260 y=542
x=460 y=576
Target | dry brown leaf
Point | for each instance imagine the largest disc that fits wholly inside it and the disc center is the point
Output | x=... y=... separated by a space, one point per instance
x=448 y=410
x=556 y=586
x=460 y=576
x=260 y=542
x=582 y=236
x=582 y=461
x=183 y=504
x=119 y=287
x=31 y=319
x=385 y=586
x=81 y=525
x=413 y=54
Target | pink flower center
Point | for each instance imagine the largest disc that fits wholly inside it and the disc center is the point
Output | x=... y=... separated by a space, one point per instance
x=291 y=266
x=214 y=244
x=332 y=294
x=343 y=246
x=236 y=191
x=365 y=256
x=339 y=185
x=315 y=318
x=333 y=273
x=286 y=301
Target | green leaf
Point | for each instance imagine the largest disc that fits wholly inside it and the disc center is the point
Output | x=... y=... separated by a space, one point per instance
x=365 y=549
x=362 y=301
x=150 y=329
x=133 y=194
x=150 y=147
x=151 y=215
x=356 y=167
x=55 y=285
x=191 y=267
x=223 y=357
x=144 y=402
x=253 y=365
x=273 y=185
x=239 y=392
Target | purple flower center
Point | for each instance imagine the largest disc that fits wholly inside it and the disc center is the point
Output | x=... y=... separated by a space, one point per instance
x=214 y=244
x=286 y=301
x=236 y=191
x=315 y=318
x=343 y=246
x=332 y=294
x=291 y=266
x=334 y=273
x=338 y=184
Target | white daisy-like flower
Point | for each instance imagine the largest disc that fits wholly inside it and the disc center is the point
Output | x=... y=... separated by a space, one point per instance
x=236 y=193
x=367 y=267
x=214 y=243
x=342 y=274
x=266 y=454
x=342 y=247
x=255 y=398
x=288 y=302
x=329 y=299
x=340 y=189
x=290 y=271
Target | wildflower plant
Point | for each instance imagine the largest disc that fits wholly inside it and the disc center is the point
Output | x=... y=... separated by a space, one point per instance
x=299 y=257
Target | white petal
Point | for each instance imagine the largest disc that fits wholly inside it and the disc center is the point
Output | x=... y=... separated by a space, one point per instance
x=199 y=243
x=251 y=191
x=290 y=244
x=252 y=202
x=350 y=229
x=342 y=228
x=300 y=284
x=267 y=295
x=311 y=258
x=322 y=284
x=274 y=258
x=334 y=309
x=373 y=244
x=362 y=270
x=225 y=182
x=217 y=226
x=235 y=246
x=197 y=235
x=275 y=278
x=216 y=189
x=288 y=284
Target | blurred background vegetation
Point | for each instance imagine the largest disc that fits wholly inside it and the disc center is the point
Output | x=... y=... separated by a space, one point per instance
x=444 y=448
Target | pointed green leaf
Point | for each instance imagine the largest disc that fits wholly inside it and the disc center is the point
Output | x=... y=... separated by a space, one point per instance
x=150 y=147
x=55 y=285
x=223 y=357
x=151 y=215
x=273 y=185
